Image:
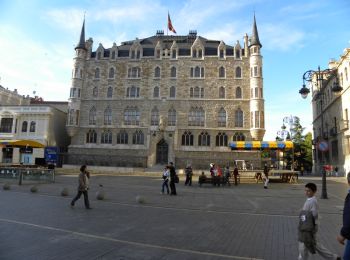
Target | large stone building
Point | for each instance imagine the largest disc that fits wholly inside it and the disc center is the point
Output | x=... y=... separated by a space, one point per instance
x=165 y=98
x=333 y=111
x=12 y=98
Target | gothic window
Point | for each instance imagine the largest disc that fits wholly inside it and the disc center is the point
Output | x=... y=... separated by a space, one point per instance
x=221 y=139
x=255 y=71
x=131 y=116
x=95 y=92
x=76 y=73
x=204 y=139
x=196 y=117
x=238 y=118
x=221 y=92
x=24 y=126
x=157 y=72
x=113 y=55
x=238 y=92
x=173 y=72
x=238 y=72
x=109 y=92
x=197 y=72
x=196 y=92
x=92 y=116
x=106 y=137
x=134 y=72
x=200 y=53
x=156 y=92
x=173 y=54
x=238 y=137
x=6 y=125
x=262 y=120
x=32 y=127
x=172 y=93
x=187 y=139
x=133 y=92
x=107 y=116
x=238 y=53
x=221 y=72
x=91 y=137
x=158 y=53
x=97 y=73
x=222 y=53
x=138 y=137
x=122 y=137
x=256 y=90
x=257 y=121
x=172 y=117
x=99 y=55
x=222 y=117
x=111 y=73
x=346 y=74
x=155 y=117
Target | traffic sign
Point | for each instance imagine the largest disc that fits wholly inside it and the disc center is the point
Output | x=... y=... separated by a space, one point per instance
x=323 y=146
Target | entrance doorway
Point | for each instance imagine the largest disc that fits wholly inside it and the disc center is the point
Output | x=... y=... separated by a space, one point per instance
x=162 y=152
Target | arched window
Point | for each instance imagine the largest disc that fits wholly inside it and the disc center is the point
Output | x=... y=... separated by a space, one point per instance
x=137 y=137
x=238 y=72
x=238 y=137
x=91 y=137
x=222 y=93
x=106 y=137
x=156 y=92
x=221 y=72
x=107 y=116
x=172 y=117
x=133 y=92
x=71 y=115
x=32 y=127
x=221 y=139
x=173 y=72
x=172 y=93
x=238 y=92
x=95 y=92
x=187 y=139
x=92 y=116
x=24 y=126
x=157 y=72
x=134 y=72
x=155 y=116
x=97 y=73
x=222 y=117
x=197 y=72
x=131 y=116
x=109 y=92
x=122 y=137
x=196 y=117
x=238 y=118
x=204 y=139
x=111 y=73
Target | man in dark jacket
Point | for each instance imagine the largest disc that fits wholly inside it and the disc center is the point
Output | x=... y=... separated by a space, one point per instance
x=172 y=178
x=345 y=230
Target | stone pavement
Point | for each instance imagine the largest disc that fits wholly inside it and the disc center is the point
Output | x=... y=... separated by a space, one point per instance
x=243 y=222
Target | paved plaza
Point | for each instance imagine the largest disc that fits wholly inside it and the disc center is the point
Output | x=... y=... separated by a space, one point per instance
x=243 y=222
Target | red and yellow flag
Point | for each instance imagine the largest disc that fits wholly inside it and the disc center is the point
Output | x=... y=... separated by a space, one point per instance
x=170 y=25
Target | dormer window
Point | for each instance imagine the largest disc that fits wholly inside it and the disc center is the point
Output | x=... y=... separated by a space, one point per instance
x=113 y=55
x=173 y=54
x=197 y=53
x=222 y=54
x=158 y=53
x=238 y=53
x=99 y=55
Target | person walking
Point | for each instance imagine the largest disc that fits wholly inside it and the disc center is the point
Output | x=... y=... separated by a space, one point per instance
x=165 y=179
x=227 y=175
x=345 y=230
x=235 y=174
x=172 y=178
x=266 y=175
x=189 y=173
x=83 y=187
x=311 y=206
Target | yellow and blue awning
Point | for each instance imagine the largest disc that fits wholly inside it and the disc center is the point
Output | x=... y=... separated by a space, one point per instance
x=256 y=145
x=13 y=142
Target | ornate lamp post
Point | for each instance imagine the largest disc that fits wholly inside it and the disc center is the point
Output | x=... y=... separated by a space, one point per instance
x=318 y=76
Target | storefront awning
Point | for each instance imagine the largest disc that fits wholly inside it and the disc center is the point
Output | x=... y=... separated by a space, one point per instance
x=30 y=143
x=256 y=145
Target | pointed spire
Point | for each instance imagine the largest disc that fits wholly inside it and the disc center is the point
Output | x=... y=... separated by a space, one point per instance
x=81 y=44
x=254 y=39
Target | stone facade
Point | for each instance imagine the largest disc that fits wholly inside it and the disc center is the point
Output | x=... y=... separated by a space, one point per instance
x=175 y=98
x=12 y=98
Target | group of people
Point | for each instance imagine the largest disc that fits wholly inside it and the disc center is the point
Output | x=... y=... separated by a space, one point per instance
x=169 y=174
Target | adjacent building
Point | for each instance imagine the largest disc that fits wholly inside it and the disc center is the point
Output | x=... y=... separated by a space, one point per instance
x=165 y=98
x=8 y=97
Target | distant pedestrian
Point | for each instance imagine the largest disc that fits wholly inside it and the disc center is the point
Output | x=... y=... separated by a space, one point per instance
x=189 y=173
x=266 y=176
x=227 y=174
x=235 y=175
x=345 y=230
x=83 y=187
x=336 y=171
x=172 y=179
x=308 y=227
x=165 y=177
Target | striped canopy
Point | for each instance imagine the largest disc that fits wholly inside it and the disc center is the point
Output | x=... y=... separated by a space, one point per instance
x=249 y=145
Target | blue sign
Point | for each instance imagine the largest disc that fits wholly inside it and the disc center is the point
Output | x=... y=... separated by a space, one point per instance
x=51 y=154
x=323 y=146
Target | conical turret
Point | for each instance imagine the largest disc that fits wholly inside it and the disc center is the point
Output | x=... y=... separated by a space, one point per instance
x=81 y=43
x=254 y=39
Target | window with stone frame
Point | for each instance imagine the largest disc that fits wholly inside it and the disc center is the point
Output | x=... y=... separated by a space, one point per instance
x=172 y=91
x=109 y=92
x=71 y=114
x=187 y=139
x=257 y=121
x=106 y=137
x=91 y=137
x=238 y=92
x=134 y=72
x=133 y=92
x=32 y=127
x=111 y=73
x=138 y=137
x=173 y=54
x=156 y=92
x=155 y=117
x=222 y=72
x=256 y=91
x=222 y=117
x=113 y=55
x=203 y=139
x=222 y=93
x=122 y=137
x=221 y=139
x=238 y=137
x=95 y=92
x=196 y=117
x=172 y=117
x=196 y=92
x=97 y=73
x=131 y=116
x=239 y=118
x=107 y=116
x=6 y=125
x=197 y=72
x=25 y=126
x=173 y=72
x=262 y=119
x=238 y=72
x=157 y=72
x=92 y=116
x=222 y=53
x=238 y=53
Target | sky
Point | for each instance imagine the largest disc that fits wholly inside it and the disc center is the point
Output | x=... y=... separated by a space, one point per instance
x=37 y=40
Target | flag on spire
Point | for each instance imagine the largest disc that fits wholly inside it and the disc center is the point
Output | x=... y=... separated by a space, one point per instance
x=170 y=25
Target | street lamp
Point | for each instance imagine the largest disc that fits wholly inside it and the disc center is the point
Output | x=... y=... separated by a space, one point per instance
x=318 y=76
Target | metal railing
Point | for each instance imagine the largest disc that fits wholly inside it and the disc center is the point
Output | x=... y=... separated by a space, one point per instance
x=22 y=174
